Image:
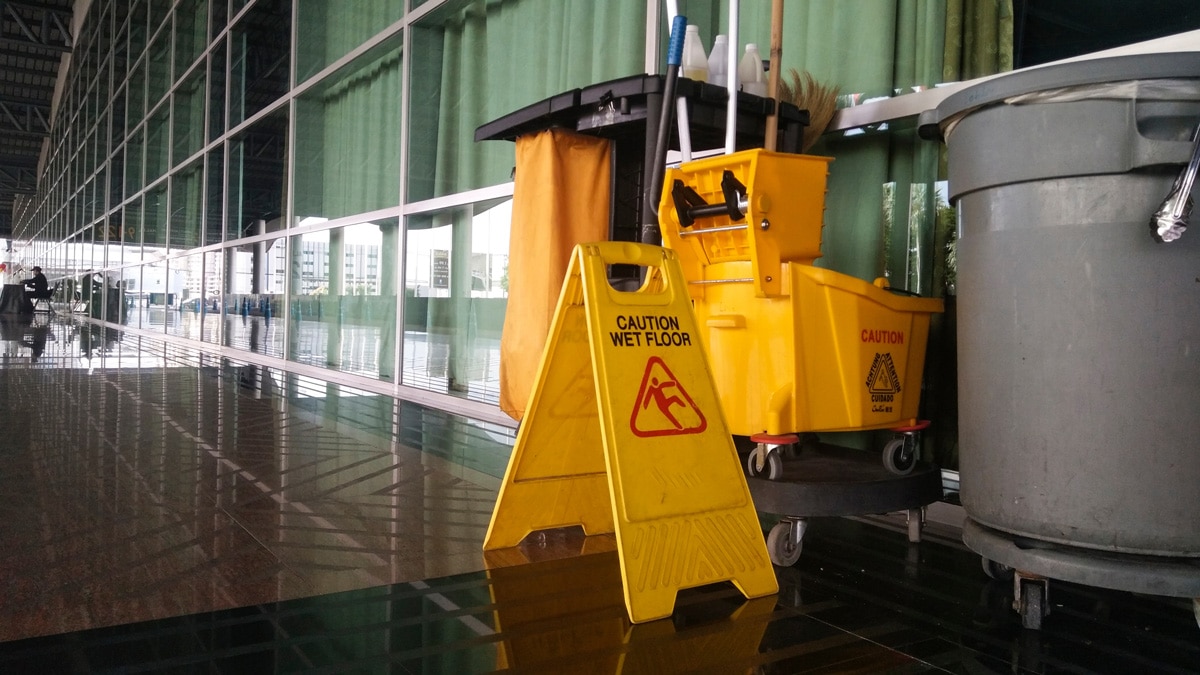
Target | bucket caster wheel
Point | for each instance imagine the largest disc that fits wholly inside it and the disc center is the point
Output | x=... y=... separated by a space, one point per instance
x=1031 y=600
x=916 y=524
x=765 y=461
x=900 y=455
x=785 y=541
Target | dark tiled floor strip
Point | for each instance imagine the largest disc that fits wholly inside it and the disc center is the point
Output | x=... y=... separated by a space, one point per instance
x=861 y=600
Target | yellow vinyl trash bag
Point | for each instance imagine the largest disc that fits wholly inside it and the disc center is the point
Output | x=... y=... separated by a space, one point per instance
x=561 y=197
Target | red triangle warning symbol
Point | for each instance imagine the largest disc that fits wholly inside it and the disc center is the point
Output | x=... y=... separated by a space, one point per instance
x=663 y=407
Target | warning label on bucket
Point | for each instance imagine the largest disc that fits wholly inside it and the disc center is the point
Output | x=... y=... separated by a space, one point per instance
x=882 y=381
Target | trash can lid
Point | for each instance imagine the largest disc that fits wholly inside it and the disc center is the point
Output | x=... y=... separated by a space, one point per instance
x=1163 y=65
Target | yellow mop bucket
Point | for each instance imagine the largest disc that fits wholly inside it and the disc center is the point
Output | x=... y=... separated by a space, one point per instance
x=793 y=348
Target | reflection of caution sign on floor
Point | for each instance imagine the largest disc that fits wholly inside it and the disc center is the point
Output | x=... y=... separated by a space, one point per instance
x=663 y=406
x=648 y=456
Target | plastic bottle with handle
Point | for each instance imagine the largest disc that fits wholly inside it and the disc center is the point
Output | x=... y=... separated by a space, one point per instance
x=750 y=72
x=716 y=61
x=695 y=61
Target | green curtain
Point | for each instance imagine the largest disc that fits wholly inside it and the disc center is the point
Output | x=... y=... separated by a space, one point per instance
x=481 y=60
x=329 y=29
x=979 y=39
x=348 y=142
x=187 y=187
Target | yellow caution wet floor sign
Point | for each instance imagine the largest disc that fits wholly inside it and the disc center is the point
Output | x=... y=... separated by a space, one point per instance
x=624 y=433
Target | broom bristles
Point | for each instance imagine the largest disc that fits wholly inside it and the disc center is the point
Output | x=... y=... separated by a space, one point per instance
x=806 y=93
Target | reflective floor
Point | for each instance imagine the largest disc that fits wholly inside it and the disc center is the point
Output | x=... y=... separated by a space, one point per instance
x=163 y=510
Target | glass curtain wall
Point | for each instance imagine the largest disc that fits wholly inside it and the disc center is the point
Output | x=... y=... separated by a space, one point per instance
x=298 y=179
x=473 y=62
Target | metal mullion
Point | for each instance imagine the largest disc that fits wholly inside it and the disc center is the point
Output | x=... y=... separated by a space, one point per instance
x=223 y=246
x=223 y=139
x=289 y=206
x=498 y=191
x=401 y=266
x=288 y=209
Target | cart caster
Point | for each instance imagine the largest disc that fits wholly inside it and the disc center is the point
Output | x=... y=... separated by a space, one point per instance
x=898 y=457
x=996 y=570
x=901 y=453
x=785 y=541
x=1030 y=600
x=916 y=523
x=765 y=461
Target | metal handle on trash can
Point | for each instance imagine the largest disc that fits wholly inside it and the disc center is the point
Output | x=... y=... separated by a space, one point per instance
x=1170 y=220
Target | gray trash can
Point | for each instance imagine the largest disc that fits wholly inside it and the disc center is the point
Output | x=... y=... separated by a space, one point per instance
x=1078 y=333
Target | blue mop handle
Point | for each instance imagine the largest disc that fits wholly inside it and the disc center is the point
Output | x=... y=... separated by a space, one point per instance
x=675 y=47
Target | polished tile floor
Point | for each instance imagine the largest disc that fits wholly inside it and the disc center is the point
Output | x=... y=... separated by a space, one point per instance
x=163 y=510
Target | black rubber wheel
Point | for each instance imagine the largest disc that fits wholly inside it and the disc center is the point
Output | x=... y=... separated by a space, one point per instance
x=1033 y=605
x=783 y=551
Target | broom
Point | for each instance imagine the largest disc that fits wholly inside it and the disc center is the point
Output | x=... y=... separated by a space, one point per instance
x=806 y=93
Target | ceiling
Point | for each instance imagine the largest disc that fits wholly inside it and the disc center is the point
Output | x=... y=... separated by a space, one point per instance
x=34 y=34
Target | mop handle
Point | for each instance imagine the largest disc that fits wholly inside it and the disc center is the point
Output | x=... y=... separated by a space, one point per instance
x=650 y=231
x=681 y=107
x=675 y=46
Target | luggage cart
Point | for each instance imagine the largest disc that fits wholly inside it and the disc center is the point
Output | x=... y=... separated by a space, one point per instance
x=797 y=350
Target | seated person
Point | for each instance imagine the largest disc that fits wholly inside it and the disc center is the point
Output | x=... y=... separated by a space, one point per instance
x=37 y=285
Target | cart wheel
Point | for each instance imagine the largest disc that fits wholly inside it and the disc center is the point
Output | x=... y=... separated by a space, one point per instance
x=1196 y=610
x=1033 y=604
x=772 y=468
x=996 y=570
x=898 y=459
x=916 y=523
x=782 y=545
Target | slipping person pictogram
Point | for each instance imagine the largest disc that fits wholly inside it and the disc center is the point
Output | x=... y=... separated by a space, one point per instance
x=673 y=411
x=656 y=393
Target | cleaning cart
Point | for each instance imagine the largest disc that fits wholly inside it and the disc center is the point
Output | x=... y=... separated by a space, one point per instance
x=795 y=349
